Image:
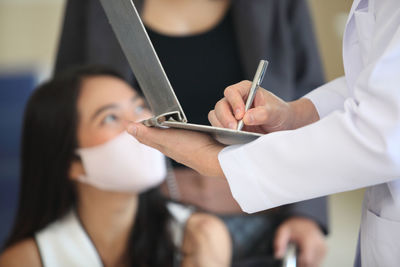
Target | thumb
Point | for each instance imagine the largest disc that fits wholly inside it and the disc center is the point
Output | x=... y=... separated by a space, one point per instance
x=143 y=134
x=281 y=241
x=256 y=116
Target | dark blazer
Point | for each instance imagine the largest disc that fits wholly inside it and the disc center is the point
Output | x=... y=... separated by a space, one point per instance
x=278 y=30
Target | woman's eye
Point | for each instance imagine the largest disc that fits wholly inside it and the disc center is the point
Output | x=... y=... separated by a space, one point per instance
x=110 y=118
x=139 y=110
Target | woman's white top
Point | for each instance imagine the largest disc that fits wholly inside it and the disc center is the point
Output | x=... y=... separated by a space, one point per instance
x=65 y=242
x=355 y=144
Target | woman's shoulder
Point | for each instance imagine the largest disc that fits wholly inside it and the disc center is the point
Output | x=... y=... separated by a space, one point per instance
x=206 y=239
x=192 y=220
x=200 y=223
x=23 y=253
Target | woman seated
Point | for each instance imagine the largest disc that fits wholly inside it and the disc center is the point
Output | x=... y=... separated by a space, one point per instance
x=89 y=191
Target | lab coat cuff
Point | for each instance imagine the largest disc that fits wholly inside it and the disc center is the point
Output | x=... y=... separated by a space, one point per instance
x=247 y=192
x=329 y=97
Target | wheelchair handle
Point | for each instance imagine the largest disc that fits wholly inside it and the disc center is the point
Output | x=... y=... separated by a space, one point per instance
x=289 y=260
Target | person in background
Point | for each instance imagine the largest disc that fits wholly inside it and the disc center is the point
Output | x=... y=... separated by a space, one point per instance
x=205 y=46
x=89 y=191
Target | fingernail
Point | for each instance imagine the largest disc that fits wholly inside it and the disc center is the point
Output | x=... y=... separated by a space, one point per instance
x=237 y=112
x=231 y=125
x=278 y=254
x=132 y=129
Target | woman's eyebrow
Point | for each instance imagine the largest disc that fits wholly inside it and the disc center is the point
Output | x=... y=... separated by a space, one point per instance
x=136 y=97
x=103 y=108
x=111 y=106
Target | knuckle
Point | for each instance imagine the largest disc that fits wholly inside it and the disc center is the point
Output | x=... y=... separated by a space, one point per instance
x=267 y=108
x=210 y=114
x=221 y=102
x=212 y=118
x=245 y=82
x=262 y=115
x=204 y=225
x=282 y=229
x=228 y=90
x=306 y=259
x=139 y=133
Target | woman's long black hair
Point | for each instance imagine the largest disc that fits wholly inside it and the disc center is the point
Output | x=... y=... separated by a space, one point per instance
x=49 y=139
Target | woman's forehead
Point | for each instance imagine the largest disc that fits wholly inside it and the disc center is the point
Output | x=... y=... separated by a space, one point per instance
x=104 y=90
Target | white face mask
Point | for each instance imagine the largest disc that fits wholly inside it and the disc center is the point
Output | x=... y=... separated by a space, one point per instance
x=122 y=165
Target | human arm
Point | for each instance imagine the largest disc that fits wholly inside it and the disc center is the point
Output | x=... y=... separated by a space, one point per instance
x=193 y=149
x=307 y=236
x=206 y=193
x=200 y=152
x=268 y=114
x=352 y=147
x=304 y=231
x=23 y=253
x=366 y=125
x=206 y=242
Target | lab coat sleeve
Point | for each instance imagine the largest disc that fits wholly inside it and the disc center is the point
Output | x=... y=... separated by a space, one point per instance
x=308 y=74
x=357 y=145
x=329 y=97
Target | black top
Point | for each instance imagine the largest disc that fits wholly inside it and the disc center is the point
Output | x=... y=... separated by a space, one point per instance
x=188 y=59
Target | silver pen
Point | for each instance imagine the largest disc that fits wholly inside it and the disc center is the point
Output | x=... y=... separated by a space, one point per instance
x=258 y=77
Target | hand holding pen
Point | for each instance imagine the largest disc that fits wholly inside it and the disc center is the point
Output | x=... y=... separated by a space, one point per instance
x=258 y=78
x=267 y=114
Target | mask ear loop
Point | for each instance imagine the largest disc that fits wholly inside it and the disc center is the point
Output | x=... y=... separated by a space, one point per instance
x=172 y=185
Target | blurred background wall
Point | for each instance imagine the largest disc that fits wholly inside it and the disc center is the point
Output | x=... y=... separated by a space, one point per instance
x=28 y=40
x=28 y=34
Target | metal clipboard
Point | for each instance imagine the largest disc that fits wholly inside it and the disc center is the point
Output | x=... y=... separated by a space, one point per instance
x=143 y=60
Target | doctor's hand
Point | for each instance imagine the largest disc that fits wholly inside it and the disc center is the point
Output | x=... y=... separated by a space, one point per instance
x=196 y=150
x=308 y=238
x=269 y=113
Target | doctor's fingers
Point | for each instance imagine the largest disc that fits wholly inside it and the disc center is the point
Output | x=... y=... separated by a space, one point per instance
x=212 y=118
x=153 y=137
x=236 y=95
x=257 y=116
x=194 y=149
x=281 y=241
x=311 y=253
x=270 y=113
x=311 y=247
x=222 y=115
x=174 y=143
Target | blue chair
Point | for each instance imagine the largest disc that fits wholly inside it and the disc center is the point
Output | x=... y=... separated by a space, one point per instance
x=15 y=89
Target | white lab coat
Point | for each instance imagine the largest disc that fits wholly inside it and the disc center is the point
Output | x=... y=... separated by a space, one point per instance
x=355 y=144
